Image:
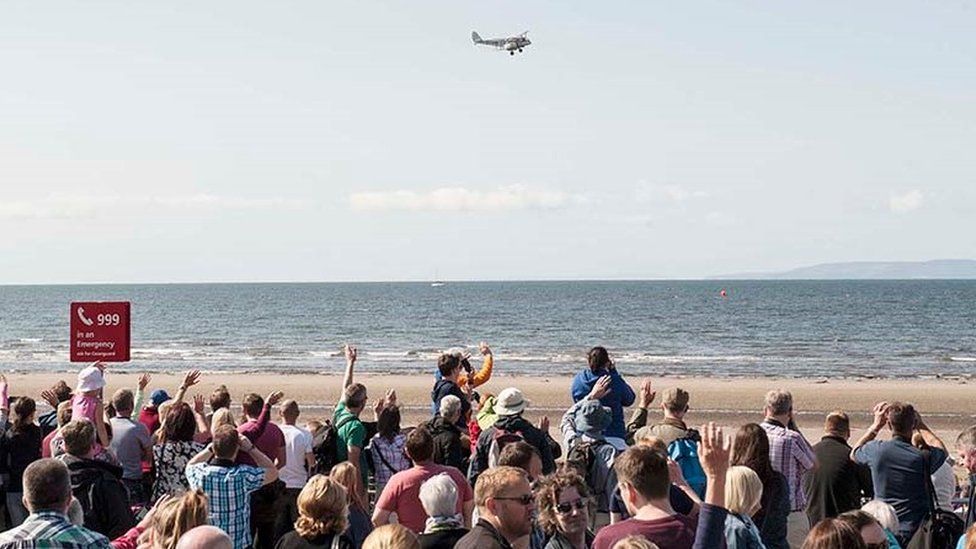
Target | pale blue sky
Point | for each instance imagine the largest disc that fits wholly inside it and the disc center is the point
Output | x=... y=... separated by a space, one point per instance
x=242 y=141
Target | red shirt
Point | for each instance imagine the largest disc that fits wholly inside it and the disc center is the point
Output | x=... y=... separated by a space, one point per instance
x=149 y=416
x=46 y=444
x=674 y=532
x=402 y=493
x=269 y=442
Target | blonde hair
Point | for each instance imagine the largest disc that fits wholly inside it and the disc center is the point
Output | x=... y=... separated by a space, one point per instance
x=347 y=475
x=175 y=517
x=743 y=490
x=222 y=416
x=635 y=542
x=493 y=481
x=391 y=536
x=322 y=508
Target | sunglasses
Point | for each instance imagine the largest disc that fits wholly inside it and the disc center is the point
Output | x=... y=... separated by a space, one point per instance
x=525 y=500
x=565 y=508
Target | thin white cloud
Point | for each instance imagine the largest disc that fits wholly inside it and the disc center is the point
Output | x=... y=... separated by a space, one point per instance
x=86 y=206
x=506 y=198
x=906 y=202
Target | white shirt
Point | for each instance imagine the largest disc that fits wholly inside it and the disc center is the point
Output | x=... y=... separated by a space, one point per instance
x=298 y=442
x=944 y=481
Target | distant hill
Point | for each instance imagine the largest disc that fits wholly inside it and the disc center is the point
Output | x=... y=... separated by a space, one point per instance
x=871 y=270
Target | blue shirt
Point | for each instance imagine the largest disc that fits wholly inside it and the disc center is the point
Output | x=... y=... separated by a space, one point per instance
x=229 y=492
x=619 y=397
x=898 y=472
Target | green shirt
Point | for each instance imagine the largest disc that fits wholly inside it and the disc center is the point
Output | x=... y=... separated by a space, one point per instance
x=352 y=433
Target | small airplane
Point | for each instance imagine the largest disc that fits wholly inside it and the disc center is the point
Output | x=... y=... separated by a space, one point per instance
x=510 y=44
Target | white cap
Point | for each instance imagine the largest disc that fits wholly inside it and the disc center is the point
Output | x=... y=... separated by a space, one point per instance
x=510 y=402
x=90 y=379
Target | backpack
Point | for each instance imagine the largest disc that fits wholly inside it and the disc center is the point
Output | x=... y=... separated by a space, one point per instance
x=684 y=452
x=499 y=440
x=584 y=458
x=325 y=446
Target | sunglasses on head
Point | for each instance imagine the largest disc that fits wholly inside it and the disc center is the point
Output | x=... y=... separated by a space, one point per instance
x=565 y=508
x=525 y=500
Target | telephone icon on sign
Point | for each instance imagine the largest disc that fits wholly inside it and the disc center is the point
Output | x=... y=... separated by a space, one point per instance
x=81 y=315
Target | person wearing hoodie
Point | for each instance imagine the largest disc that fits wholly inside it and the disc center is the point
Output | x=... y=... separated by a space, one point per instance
x=448 y=448
x=97 y=485
x=510 y=426
x=618 y=396
x=449 y=366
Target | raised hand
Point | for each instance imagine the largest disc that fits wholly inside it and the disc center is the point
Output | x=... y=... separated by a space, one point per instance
x=647 y=393
x=245 y=444
x=100 y=365
x=198 y=404
x=391 y=398
x=714 y=450
x=49 y=397
x=350 y=353
x=191 y=378
x=274 y=398
x=880 y=415
x=143 y=382
x=600 y=389
x=484 y=348
x=379 y=407
x=544 y=424
x=674 y=472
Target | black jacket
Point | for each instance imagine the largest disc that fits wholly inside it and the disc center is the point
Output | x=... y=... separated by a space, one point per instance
x=838 y=483
x=447 y=443
x=511 y=424
x=483 y=536
x=442 y=538
x=444 y=387
x=98 y=487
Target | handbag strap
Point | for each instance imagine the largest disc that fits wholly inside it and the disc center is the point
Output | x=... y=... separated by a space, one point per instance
x=393 y=470
x=929 y=487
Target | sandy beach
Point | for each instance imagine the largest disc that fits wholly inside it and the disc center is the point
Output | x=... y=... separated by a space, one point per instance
x=945 y=404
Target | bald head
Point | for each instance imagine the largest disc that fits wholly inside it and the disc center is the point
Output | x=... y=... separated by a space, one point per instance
x=205 y=537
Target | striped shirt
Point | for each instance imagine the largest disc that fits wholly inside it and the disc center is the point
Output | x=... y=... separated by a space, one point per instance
x=50 y=529
x=229 y=491
x=792 y=456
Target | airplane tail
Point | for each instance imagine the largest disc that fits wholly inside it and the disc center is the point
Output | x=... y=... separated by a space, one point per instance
x=476 y=38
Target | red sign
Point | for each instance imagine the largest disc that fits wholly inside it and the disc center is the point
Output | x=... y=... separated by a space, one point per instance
x=100 y=331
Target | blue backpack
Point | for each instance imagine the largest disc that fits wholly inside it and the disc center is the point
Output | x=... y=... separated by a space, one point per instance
x=684 y=451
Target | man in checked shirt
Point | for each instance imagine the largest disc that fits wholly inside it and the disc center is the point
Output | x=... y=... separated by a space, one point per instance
x=791 y=455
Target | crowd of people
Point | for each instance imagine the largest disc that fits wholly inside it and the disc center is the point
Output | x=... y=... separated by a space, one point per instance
x=149 y=470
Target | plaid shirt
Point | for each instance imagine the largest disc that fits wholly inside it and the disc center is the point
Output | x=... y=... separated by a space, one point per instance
x=229 y=490
x=393 y=453
x=50 y=529
x=792 y=456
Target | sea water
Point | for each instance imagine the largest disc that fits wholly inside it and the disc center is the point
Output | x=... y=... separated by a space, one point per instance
x=759 y=328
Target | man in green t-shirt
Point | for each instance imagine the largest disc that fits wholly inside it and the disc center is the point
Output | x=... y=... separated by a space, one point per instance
x=352 y=432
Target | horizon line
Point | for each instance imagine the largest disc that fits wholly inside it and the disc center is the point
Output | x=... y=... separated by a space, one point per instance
x=470 y=281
